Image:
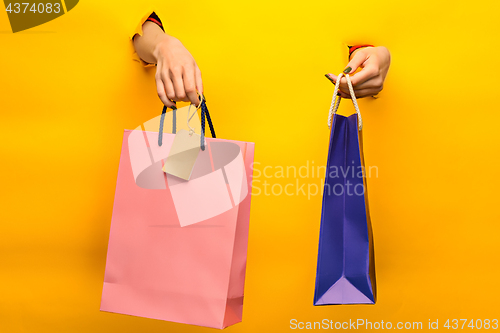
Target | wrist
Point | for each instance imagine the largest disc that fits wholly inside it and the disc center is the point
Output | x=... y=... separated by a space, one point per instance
x=163 y=41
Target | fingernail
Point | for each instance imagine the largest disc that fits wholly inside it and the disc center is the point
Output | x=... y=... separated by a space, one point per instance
x=329 y=78
x=347 y=70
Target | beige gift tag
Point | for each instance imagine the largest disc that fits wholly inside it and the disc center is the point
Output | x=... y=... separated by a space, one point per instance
x=185 y=149
x=183 y=154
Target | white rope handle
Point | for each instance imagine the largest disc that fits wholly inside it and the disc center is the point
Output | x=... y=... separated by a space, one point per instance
x=336 y=101
x=190 y=116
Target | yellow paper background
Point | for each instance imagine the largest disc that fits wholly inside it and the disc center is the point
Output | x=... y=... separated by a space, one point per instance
x=69 y=88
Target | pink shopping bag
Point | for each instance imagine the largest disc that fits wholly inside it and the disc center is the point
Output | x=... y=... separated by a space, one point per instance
x=177 y=249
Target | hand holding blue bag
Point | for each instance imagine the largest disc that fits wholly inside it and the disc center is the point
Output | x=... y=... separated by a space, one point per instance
x=346 y=269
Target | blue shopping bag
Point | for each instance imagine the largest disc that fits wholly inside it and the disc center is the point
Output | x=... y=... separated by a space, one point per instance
x=346 y=269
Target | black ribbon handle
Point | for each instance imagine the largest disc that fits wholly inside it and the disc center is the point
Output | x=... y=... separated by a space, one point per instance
x=204 y=113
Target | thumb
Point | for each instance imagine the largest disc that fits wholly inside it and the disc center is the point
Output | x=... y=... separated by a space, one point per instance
x=356 y=61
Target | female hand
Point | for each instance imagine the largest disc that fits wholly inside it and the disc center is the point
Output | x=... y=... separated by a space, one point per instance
x=178 y=77
x=375 y=62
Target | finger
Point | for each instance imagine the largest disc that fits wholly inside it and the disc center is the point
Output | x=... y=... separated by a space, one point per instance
x=370 y=85
x=344 y=91
x=369 y=71
x=169 y=87
x=343 y=82
x=199 y=82
x=190 y=86
x=160 y=89
x=373 y=83
x=359 y=58
x=332 y=78
x=366 y=92
x=343 y=87
x=344 y=95
x=360 y=93
x=180 y=92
